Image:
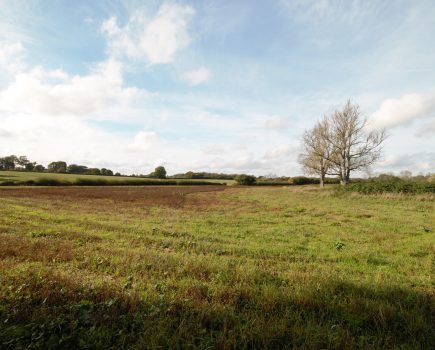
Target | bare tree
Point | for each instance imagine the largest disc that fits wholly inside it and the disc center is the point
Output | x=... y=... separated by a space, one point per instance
x=340 y=144
x=353 y=146
x=316 y=151
x=405 y=175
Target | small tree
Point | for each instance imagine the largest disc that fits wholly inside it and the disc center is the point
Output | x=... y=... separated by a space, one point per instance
x=405 y=175
x=159 y=173
x=30 y=166
x=353 y=147
x=22 y=161
x=341 y=144
x=106 y=172
x=76 y=169
x=39 y=168
x=8 y=163
x=247 y=180
x=57 y=167
x=93 y=171
x=316 y=151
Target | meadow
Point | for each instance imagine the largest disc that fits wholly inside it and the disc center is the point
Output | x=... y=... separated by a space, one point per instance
x=215 y=267
x=13 y=178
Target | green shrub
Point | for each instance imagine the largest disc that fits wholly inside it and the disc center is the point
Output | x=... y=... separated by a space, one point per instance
x=272 y=183
x=393 y=186
x=247 y=180
x=197 y=183
x=303 y=180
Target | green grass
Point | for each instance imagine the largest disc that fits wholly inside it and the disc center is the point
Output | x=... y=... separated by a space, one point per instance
x=244 y=268
x=23 y=178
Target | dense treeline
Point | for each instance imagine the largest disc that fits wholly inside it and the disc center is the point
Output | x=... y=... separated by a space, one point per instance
x=405 y=182
x=19 y=163
x=22 y=163
x=204 y=175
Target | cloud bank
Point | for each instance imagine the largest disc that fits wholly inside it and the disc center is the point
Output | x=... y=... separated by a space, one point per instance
x=403 y=110
x=197 y=77
x=153 y=40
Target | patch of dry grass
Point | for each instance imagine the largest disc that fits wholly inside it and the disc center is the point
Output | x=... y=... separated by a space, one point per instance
x=211 y=268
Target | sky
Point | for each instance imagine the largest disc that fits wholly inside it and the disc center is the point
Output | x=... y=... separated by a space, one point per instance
x=212 y=85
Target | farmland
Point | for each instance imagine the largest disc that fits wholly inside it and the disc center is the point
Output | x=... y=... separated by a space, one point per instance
x=23 y=177
x=215 y=267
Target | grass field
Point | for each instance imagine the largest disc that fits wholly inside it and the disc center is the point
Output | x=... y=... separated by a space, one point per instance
x=215 y=268
x=22 y=176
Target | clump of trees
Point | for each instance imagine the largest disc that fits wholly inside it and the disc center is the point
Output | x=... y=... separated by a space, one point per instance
x=13 y=162
x=57 y=167
x=62 y=167
x=340 y=144
x=21 y=163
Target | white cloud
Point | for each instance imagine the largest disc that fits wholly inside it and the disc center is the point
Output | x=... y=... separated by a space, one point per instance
x=57 y=93
x=394 y=112
x=10 y=57
x=427 y=130
x=280 y=152
x=416 y=162
x=354 y=12
x=144 y=140
x=214 y=149
x=154 y=40
x=276 y=122
x=197 y=76
x=5 y=133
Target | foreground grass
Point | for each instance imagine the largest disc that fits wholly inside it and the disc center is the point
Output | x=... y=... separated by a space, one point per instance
x=23 y=177
x=234 y=268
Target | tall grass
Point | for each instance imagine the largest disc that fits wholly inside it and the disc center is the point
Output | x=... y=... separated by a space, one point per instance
x=232 y=268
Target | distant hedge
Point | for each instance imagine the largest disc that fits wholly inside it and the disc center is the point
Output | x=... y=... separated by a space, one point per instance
x=104 y=182
x=272 y=183
x=397 y=186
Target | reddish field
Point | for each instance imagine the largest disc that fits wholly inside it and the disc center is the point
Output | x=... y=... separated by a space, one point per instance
x=143 y=196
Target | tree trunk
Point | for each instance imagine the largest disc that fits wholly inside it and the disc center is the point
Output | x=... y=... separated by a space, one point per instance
x=322 y=174
x=342 y=175
x=348 y=176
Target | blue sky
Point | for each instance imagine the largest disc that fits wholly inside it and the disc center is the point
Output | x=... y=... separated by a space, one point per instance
x=225 y=86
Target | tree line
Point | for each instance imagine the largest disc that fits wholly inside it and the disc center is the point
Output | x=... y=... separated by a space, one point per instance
x=22 y=163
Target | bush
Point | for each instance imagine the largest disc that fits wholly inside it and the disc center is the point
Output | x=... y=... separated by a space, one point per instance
x=198 y=183
x=272 y=182
x=247 y=180
x=393 y=186
x=303 y=180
